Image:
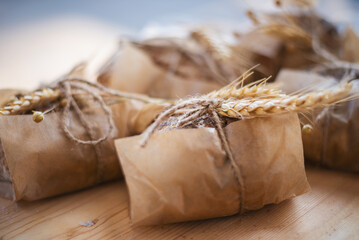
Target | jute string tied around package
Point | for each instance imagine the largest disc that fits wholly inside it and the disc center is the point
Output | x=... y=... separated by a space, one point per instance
x=203 y=107
x=70 y=89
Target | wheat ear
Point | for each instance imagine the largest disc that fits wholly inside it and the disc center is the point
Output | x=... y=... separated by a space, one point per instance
x=244 y=102
x=213 y=43
x=30 y=101
x=281 y=103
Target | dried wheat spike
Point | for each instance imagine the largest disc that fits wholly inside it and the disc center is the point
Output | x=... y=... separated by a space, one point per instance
x=288 y=31
x=282 y=103
x=212 y=43
x=31 y=101
x=243 y=103
x=248 y=91
x=255 y=89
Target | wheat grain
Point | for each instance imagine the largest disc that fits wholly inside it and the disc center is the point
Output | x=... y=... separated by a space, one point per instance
x=307 y=129
x=38 y=116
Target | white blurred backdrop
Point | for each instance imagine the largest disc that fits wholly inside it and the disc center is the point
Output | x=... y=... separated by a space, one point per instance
x=42 y=39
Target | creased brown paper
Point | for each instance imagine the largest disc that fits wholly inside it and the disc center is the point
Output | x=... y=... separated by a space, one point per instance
x=184 y=174
x=37 y=160
x=132 y=70
x=335 y=136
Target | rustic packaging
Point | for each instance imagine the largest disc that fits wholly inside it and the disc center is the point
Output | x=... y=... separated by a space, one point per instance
x=131 y=69
x=184 y=174
x=37 y=160
x=335 y=136
x=180 y=67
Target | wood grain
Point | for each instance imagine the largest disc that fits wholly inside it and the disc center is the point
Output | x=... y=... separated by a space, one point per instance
x=330 y=211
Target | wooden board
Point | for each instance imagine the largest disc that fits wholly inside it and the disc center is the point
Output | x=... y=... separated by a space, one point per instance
x=330 y=211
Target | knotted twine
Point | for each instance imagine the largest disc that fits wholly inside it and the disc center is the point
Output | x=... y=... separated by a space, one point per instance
x=97 y=92
x=191 y=110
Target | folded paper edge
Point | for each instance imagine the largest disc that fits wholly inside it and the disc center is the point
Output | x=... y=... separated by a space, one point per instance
x=6 y=183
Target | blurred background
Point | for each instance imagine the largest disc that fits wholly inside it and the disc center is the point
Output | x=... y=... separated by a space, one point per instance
x=42 y=39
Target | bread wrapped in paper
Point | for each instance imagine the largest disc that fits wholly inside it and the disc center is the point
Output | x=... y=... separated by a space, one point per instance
x=184 y=174
x=335 y=135
x=131 y=69
x=196 y=64
x=230 y=151
x=306 y=37
x=39 y=160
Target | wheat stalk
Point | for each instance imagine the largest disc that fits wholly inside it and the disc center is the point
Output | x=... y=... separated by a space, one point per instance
x=254 y=89
x=282 y=103
x=213 y=43
x=30 y=101
x=256 y=99
x=50 y=97
x=288 y=32
x=245 y=102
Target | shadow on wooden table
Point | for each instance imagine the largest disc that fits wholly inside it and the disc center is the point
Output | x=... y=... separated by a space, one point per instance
x=271 y=218
x=331 y=210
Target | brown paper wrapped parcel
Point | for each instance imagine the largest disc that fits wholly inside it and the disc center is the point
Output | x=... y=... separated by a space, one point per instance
x=335 y=136
x=233 y=150
x=184 y=174
x=131 y=69
x=197 y=64
x=38 y=160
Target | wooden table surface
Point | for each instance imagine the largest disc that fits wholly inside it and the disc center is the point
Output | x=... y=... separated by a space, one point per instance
x=329 y=211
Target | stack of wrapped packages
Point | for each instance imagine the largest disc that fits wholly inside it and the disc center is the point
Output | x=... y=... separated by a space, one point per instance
x=194 y=132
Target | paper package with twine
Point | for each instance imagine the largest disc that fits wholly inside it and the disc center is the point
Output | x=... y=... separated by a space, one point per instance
x=131 y=69
x=232 y=150
x=335 y=136
x=313 y=45
x=197 y=64
x=184 y=174
x=39 y=160
x=307 y=38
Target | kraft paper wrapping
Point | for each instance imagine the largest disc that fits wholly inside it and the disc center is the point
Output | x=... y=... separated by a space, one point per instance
x=132 y=70
x=350 y=43
x=184 y=174
x=259 y=48
x=159 y=69
x=335 y=137
x=299 y=53
x=37 y=160
x=145 y=116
